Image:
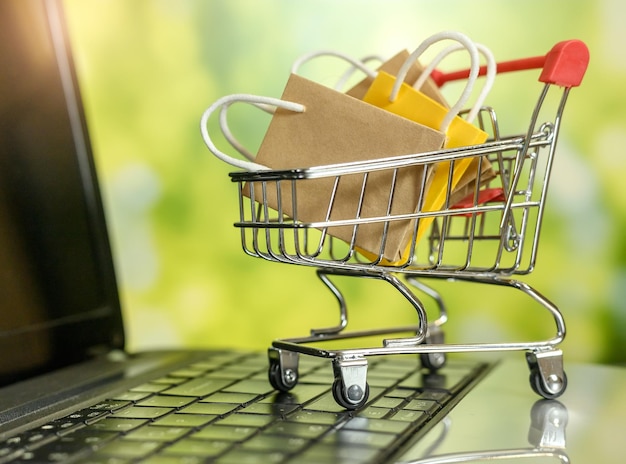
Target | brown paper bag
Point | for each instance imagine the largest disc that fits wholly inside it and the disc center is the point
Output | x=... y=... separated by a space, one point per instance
x=336 y=128
x=429 y=88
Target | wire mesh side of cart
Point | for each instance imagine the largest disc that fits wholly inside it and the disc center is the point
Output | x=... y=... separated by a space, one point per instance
x=489 y=226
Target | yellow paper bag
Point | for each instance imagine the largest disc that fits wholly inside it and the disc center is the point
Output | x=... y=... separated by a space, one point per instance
x=417 y=106
x=392 y=66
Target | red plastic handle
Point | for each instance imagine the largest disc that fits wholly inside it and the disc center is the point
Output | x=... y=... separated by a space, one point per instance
x=565 y=65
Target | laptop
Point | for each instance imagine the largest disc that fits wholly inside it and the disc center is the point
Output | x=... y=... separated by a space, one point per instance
x=71 y=393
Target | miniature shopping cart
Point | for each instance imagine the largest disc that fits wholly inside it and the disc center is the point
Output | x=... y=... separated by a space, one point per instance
x=487 y=236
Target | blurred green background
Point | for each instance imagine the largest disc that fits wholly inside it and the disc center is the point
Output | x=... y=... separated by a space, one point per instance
x=149 y=68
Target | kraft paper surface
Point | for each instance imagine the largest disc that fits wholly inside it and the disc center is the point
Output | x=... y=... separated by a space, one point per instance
x=337 y=128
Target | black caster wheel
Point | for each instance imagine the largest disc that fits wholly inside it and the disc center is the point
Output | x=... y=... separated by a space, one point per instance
x=433 y=361
x=342 y=398
x=540 y=389
x=280 y=382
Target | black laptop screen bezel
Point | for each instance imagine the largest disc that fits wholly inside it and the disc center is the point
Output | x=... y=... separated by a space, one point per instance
x=51 y=192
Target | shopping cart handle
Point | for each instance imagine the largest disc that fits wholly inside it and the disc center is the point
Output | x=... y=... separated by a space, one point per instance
x=565 y=65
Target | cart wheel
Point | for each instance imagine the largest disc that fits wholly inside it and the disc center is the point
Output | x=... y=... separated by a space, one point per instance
x=536 y=383
x=279 y=381
x=433 y=361
x=342 y=399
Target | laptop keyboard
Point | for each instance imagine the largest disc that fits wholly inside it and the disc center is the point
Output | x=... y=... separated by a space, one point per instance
x=224 y=410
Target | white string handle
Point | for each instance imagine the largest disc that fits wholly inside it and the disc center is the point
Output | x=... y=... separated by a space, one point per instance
x=228 y=135
x=473 y=52
x=490 y=75
x=355 y=65
x=341 y=82
x=359 y=64
x=225 y=102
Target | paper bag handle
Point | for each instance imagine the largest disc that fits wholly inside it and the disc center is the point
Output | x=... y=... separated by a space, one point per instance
x=269 y=108
x=224 y=103
x=490 y=71
x=358 y=64
x=473 y=74
x=343 y=79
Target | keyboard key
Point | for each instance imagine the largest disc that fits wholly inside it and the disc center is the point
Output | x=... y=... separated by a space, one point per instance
x=447 y=379
x=391 y=368
x=164 y=401
x=302 y=394
x=374 y=412
x=214 y=364
x=344 y=437
x=295 y=429
x=327 y=453
x=247 y=420
x=325 y=402
x=199 y=387
x=8 y=453
x=108 y=405
x=402 y=393
x=64 y=426
x=240 y=456
x=317 y=417
x=230 y=397
x=378 y=425
x=36 y=440
x=381 y=382
x=94 y=416
x=225 y=432
x=142 y=412
x=117 y=425
x=160 y=459
x=87 y=437
x=104 y=459
x=267 y=443
x=198 y=448
x=187 y=373
x=150 y=387
x=440 y=396
x=319 y=377
x=157 y=433
x=66 y=448
x=388 y=402
x=130 y=396
x=216 y=409
x=273 y=409
x=184 y=420
x=238 y=372
x=410 y=416
x=422 y=405
x=129 y=449
x=259 y=387
x=169 y=380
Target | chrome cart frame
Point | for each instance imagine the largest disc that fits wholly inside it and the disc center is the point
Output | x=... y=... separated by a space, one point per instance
x=488 y=237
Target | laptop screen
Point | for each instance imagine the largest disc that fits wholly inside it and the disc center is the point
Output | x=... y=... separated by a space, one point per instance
x=58 y=298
